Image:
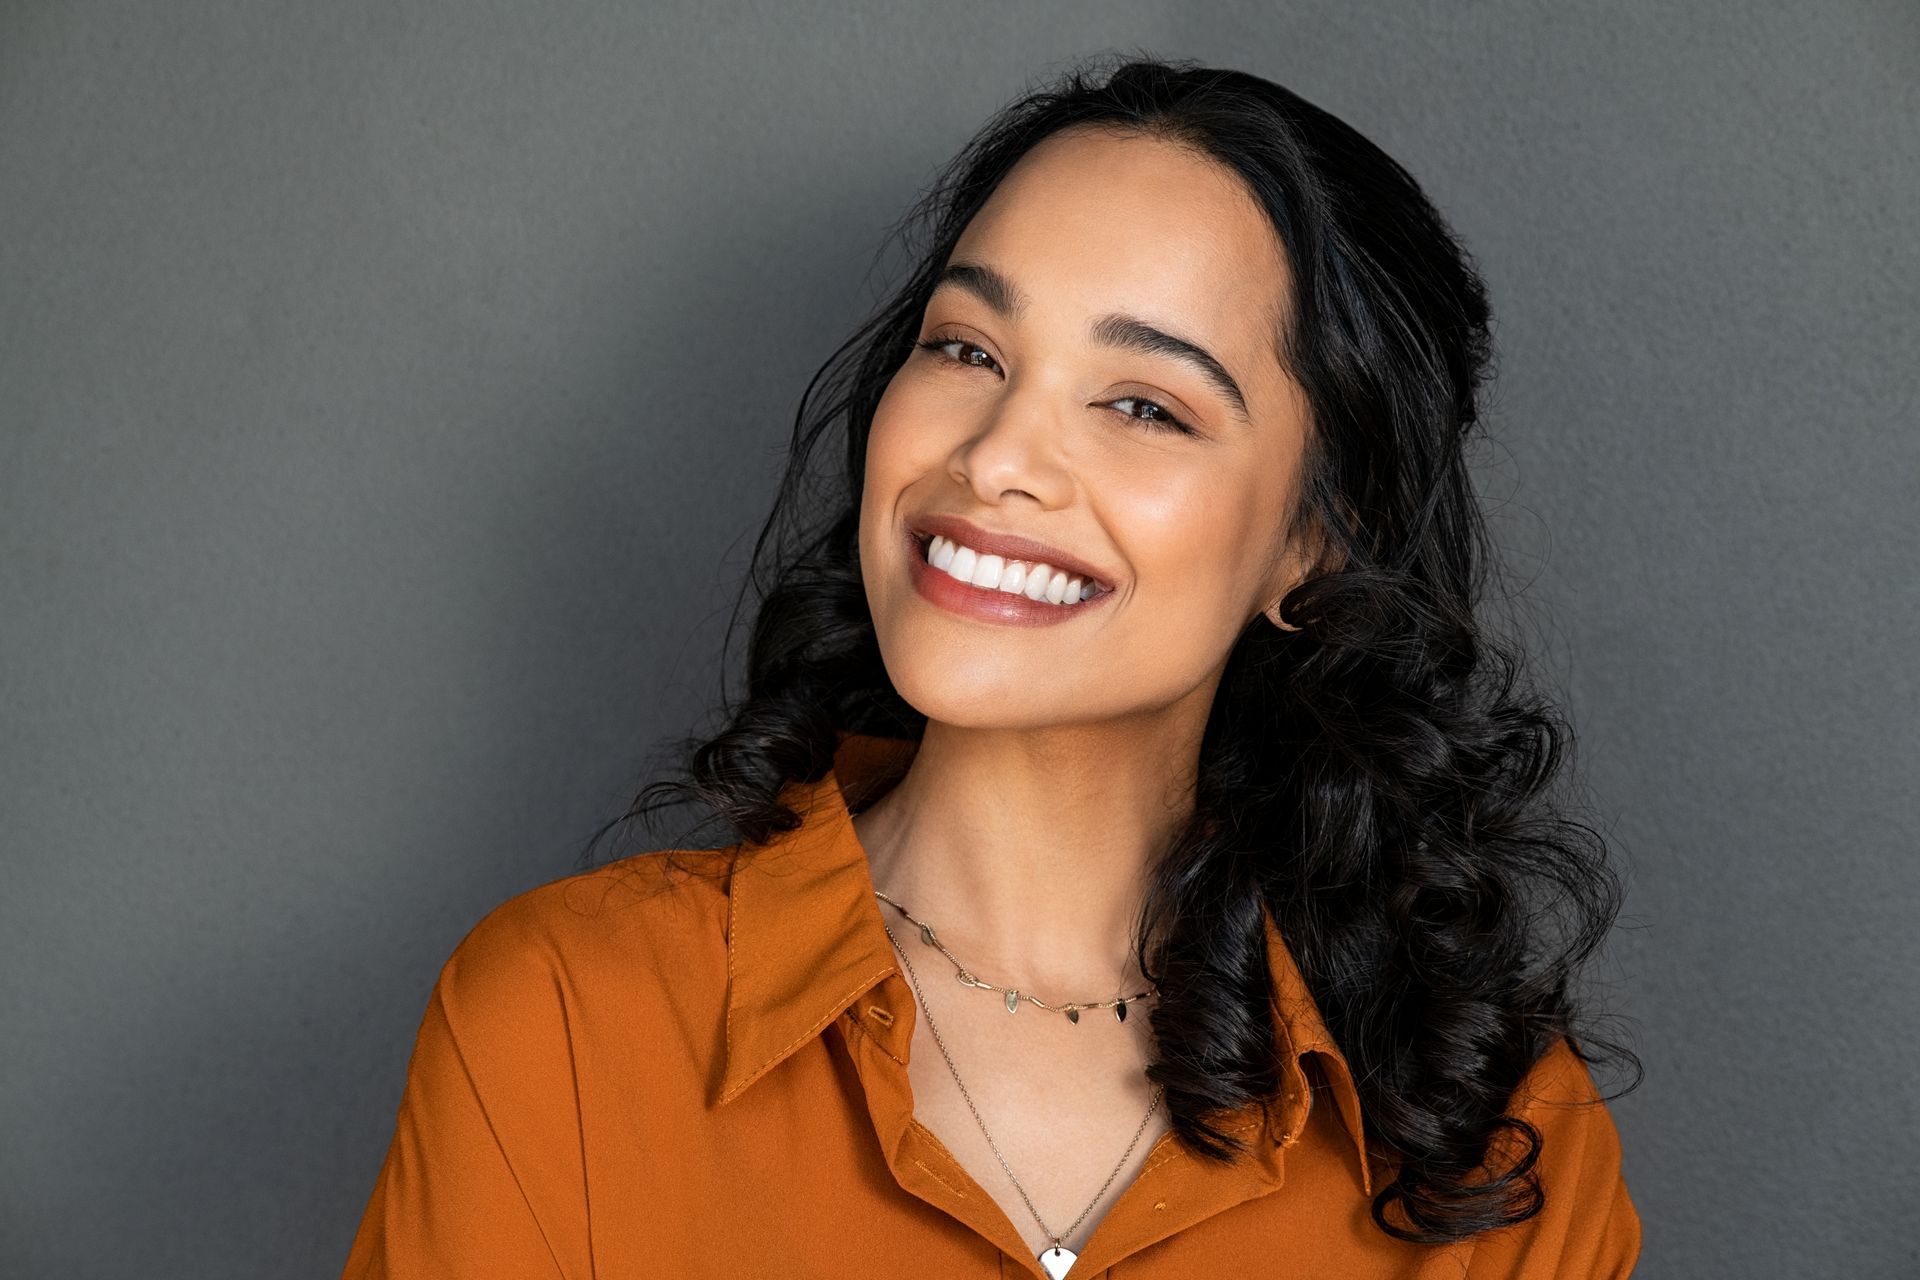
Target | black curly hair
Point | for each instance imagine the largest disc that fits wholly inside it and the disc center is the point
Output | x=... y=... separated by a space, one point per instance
x=1380 y=778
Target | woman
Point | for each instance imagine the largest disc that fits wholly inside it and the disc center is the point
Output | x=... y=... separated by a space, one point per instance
x=1138 y=860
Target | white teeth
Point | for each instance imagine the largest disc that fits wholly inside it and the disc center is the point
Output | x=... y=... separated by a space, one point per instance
x=997 y=573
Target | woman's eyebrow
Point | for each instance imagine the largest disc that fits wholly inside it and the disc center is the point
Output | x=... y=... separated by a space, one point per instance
x=1128 y=333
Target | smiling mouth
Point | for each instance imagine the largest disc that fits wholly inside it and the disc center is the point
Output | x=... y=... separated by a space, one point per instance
x=1035 y=580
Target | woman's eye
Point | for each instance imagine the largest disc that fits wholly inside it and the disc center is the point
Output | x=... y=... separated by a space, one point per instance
x=939 y=346
x=1157 y=417
x=1163 y=418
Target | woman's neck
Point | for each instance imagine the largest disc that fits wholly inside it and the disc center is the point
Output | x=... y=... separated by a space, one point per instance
x=1029 y=850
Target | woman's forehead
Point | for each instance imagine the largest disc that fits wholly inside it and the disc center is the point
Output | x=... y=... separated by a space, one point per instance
x=1093 y=222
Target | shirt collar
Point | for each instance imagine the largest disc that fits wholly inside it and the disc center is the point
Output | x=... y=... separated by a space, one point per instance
x=805 y=939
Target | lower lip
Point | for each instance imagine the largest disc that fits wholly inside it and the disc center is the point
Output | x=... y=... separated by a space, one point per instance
x=1009 y=607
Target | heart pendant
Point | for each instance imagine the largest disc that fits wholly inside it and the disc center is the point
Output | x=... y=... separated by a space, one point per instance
x=1056 y=1260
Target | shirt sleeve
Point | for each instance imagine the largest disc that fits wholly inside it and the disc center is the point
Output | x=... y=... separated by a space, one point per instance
x=1587 y=1228
x=484 y=1174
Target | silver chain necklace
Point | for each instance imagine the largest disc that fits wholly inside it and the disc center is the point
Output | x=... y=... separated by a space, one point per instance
x=1014 y=997
x=1056 y=1258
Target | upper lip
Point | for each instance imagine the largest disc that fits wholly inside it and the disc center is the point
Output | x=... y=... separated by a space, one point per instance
x=1009 y=546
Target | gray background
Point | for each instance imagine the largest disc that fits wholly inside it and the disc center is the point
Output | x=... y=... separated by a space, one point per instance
x=387 y=391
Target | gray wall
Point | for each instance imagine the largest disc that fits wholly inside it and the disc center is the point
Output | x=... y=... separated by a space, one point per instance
x=387 y=392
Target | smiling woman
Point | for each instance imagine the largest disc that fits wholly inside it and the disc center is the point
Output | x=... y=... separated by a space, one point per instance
x=1119 y=642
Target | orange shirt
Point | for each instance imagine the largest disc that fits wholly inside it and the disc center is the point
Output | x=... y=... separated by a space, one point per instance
x=621 y=1077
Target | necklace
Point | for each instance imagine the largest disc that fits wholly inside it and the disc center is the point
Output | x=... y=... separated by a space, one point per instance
x=1056 y=1258
x=1014 y=997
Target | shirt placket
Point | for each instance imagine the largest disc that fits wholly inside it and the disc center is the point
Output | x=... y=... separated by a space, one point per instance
x=877 y=1028
x=1170 y=1193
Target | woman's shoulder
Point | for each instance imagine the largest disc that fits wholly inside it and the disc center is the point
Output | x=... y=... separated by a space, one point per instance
x=1561 y=1098
x=604 y=985
x=673 y=889
x=1588 y=1224
x=647 y=930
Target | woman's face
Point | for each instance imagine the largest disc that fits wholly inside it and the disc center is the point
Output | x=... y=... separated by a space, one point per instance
x=1050 y=411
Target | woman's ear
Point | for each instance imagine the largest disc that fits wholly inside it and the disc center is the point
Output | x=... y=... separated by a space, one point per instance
x=1320 y=558
x=1299 y=567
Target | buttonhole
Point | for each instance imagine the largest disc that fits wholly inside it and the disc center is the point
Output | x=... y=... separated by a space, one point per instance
x=880 y=1015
